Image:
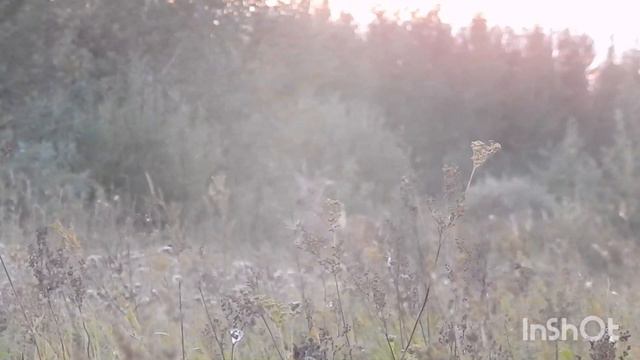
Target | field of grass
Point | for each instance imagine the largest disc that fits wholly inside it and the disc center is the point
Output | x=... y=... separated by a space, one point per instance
x=431 y=283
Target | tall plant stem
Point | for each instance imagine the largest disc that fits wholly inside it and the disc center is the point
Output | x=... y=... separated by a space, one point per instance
x=275 y=343
x=213 y=327
x=441 y=237
x=345 y=328
x=473 y=172
x=58 y=326
x=22 y=309
x=386 y=337
x=181 y=320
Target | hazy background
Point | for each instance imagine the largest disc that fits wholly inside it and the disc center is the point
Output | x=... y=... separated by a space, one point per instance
x=96 y=94
x=145 y=145
x=603 y=21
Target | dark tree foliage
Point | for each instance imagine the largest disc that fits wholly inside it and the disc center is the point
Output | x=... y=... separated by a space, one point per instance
x=121 y=91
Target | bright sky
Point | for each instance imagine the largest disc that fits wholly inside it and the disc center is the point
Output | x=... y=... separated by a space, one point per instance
x=599 y=19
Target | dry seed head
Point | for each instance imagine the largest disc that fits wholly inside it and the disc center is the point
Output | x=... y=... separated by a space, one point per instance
x=335 y=214
x=451 y=180
x=379 y=295
x=69 y=237
x=482 y=152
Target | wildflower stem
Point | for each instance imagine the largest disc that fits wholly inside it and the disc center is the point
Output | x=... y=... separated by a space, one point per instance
x=181 y=320
x=396 y=285
x=86 y=331
x=22 y=309
x=58 y=326
x=473 y=172
x=441 y=237
x=345 y=328
x=275 y=343
x=386 y=337
x=213 y=327
x=424 y=335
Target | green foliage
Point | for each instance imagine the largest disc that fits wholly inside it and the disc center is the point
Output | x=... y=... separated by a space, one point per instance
x=168 y=88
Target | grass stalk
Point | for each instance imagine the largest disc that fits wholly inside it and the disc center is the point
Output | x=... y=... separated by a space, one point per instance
x=345 y=327
x=273 y=339
x=441 y=237
x=22 y=308
x=58 y=326
x=388 y=340
x=181 y=320
x=214 y=329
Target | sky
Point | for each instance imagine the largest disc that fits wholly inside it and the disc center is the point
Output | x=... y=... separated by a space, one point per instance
x=599 y=19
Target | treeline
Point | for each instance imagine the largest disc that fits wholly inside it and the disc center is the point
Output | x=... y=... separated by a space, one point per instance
x=245 y=98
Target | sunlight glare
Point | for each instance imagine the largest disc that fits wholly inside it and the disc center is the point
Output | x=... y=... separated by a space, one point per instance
x=599 y=19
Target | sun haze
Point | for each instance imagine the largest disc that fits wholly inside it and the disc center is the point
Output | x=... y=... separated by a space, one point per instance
x=601 y=20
